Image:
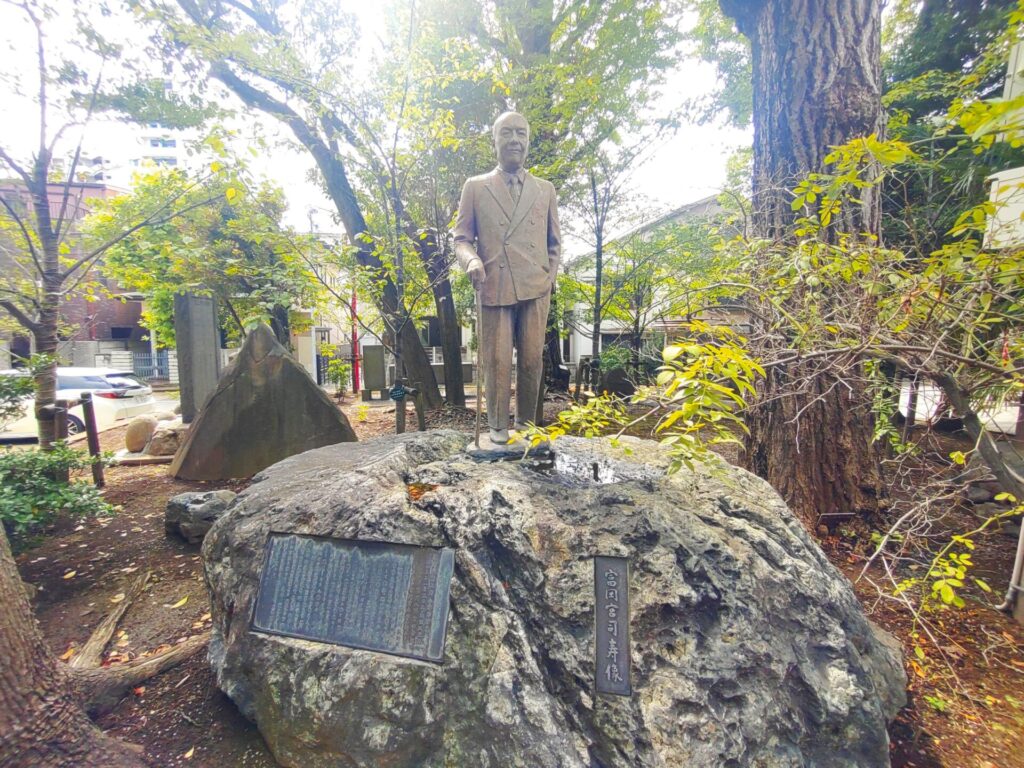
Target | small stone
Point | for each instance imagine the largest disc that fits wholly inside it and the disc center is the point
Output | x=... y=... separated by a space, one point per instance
x=165 y=416
x=167 y=438
x=139 y=431
x=980 y=494
x=191 y=515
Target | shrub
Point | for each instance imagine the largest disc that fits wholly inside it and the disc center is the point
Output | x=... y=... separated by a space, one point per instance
x=13 y=391
x=31 y=495
x=338 y=372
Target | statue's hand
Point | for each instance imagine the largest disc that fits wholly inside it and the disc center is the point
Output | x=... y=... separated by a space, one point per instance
x=476 y=274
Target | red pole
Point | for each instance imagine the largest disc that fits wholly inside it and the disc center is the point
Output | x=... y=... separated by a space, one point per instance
x=355 y=345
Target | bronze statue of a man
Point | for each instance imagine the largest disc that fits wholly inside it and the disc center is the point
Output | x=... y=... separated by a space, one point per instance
x=507 y=239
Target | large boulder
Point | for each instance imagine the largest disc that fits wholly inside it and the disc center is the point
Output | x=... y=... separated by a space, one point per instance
x=749 y=647
x=167 y=438
x=265 y=408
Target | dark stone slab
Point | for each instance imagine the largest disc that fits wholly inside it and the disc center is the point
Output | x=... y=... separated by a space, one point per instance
x=372 y=595
x=265 y=409
x=197 y=339
x=611 y=622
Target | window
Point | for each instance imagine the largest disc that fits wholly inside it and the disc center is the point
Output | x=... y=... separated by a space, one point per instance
x=120 y=333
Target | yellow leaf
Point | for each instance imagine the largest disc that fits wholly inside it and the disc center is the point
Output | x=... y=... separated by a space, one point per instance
x=180 y=602
x=68 y=653
x=118 y=597
x=918 y=670
x=230 y=193
x=188 y=755
x=70 y=574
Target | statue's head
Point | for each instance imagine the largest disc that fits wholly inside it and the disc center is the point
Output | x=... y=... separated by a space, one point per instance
x=511 y=140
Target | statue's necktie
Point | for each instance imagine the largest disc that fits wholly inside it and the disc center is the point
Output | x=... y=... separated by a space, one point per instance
x=513 y=188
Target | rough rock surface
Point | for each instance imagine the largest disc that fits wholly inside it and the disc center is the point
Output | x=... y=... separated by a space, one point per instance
x=749 y=648
x=139 y=431
x=265 y=408
x=190 y=515
x=167 y=438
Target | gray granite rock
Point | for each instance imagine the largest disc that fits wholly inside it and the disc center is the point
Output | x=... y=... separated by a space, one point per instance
x=190 y=515
x=265 y=408
x=749 y=647
x=168 y=438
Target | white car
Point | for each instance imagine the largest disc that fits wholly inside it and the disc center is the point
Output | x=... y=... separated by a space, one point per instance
x=116 y=396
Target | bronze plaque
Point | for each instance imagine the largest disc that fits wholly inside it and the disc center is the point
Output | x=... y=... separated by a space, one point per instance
x=611 y=623
x=372 y=595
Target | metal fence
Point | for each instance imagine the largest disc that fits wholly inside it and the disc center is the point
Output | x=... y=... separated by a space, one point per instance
x=148 y=366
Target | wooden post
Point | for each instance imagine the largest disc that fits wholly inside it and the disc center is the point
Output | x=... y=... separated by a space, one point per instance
x=93 y=439
x=61 y=415
x=421 y=412
x=1019 y=431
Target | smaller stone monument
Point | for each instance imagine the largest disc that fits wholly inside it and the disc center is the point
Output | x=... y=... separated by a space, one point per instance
x=197 y=335
x=265 y=408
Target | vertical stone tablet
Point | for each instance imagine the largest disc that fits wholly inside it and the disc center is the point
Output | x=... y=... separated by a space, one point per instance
x=372 y=595
x=611 y=624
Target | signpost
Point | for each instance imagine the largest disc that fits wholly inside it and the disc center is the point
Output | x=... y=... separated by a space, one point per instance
x=611 y=625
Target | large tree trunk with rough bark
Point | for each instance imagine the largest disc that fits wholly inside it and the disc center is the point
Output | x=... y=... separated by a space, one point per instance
x=42 y=724
x=817 y=83
x=437 y=265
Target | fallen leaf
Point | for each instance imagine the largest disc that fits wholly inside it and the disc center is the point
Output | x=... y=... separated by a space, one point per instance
x=70 y=574
x=188 y=755
x=179 y=603
x=118 y=597
x=205 y=617
x=68 y=653
x=139 y=691
x=129 y=570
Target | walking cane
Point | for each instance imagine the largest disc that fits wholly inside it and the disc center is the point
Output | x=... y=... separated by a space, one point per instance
x=479 y=372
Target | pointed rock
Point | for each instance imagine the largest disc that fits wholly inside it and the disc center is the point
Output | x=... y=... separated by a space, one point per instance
x=265 y=408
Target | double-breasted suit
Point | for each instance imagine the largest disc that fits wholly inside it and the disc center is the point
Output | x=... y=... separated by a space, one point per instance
x=519 y=244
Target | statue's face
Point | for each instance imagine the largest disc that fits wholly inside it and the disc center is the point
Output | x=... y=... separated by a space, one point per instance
x=511 y=142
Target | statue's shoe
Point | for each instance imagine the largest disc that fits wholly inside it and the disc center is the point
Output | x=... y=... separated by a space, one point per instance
x=499 y=436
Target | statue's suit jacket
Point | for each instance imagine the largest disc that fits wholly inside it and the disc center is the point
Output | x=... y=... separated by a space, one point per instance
x=519 y=245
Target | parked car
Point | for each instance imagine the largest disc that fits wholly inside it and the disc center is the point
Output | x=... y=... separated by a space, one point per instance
x=116 y=396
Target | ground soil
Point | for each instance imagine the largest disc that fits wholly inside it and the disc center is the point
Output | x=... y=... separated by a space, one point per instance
x=966 y=699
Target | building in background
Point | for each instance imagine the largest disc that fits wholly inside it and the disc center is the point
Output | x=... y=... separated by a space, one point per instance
x=99 y=327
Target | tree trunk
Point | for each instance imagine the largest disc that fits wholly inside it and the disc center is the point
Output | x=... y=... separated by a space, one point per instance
x=820 y=461
x=41 y=723
x=339 y=189
x=595 y=339
x=281 y=326
x=436 y=265
x=817 y=83
x=45 y=331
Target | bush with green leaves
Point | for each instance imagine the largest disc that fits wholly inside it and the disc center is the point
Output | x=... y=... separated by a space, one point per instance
x=338 y=373
x=32 y=495
x=13 y=391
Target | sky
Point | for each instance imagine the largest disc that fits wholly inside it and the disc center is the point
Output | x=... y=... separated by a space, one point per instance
x=688 y=166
